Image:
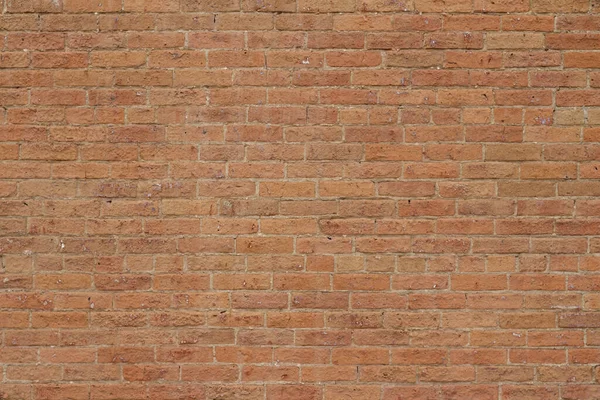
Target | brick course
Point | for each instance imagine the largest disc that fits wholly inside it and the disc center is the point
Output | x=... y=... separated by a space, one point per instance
x=299 y=199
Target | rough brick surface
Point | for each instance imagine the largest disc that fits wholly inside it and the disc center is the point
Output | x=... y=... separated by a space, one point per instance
x=300 y=199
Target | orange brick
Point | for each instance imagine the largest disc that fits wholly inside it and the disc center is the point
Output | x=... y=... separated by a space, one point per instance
x=299 y=199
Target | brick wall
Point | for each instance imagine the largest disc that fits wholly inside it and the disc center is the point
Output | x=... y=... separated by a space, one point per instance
x=299 y=199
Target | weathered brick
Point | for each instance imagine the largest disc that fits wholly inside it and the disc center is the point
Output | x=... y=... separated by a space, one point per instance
x=299 y=199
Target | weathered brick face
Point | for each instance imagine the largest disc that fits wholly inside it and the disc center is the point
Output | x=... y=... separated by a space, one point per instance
x=300 y=199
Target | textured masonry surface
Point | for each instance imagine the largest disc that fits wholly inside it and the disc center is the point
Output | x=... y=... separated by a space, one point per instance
x=300 y=199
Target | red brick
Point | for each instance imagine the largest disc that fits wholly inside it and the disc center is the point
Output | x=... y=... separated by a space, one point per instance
x=402 y=205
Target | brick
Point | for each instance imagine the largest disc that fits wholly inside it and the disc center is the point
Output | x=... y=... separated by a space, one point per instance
x=471 y=22
x=451 y=40
x=330 y=6
x=394 y=41
x=304 y=22
x=353 y=59
x=273 y=5
x=470 y=59
x=502 y=6
x=581 y=61
x=551 y=6
x=362 y=23
x=112 y=59
x=415 y=58
x=402 y=205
